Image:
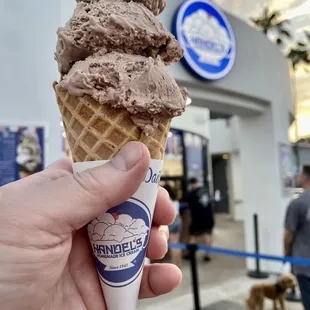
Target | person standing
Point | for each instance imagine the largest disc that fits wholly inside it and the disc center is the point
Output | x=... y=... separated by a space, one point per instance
x=297 y=234
x=202 y=218
x=175 y=228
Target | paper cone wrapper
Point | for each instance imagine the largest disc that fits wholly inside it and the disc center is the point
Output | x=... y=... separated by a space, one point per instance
x=119 y=238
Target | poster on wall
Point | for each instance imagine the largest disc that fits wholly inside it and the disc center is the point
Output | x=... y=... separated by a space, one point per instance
x=287 y=169
x=194 y=146
x=21 y=152
x=174 y=147
x=173 y=163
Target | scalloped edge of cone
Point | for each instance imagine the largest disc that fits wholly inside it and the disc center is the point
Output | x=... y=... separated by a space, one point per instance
x=98 y=132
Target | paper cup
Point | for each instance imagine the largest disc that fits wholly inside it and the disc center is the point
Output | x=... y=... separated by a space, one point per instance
x=120 y=237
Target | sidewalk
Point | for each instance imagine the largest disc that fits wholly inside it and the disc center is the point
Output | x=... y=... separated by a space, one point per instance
x=223 y=282
x=229 y=295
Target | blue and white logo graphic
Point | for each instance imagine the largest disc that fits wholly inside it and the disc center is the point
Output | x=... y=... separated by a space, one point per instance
x=207 y=38
x=119 y=240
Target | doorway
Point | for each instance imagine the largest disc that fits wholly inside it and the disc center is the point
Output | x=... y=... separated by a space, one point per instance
x=220 y=182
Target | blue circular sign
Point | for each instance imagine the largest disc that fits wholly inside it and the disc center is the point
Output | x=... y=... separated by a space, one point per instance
x=119 y=240
x=207 y=38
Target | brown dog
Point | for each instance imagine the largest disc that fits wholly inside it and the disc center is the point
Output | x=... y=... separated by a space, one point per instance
x=274 y=291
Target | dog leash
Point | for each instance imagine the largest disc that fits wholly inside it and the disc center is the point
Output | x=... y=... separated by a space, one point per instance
x=281 y=271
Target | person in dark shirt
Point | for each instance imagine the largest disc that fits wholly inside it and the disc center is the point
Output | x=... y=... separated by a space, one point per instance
x=297 y=232
x=202 y=218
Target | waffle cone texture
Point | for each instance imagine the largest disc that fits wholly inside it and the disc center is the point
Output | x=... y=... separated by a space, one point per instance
x=98 y=132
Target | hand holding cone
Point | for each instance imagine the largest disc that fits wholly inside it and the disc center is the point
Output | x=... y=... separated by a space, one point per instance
x=116 y=88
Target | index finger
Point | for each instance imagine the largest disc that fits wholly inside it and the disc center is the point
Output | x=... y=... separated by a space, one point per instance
x=165 y=211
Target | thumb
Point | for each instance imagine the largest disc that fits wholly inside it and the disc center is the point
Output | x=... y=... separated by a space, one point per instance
x=77 y=200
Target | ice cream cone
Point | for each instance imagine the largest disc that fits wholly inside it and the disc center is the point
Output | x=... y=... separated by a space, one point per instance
x=98 y=132
x=116 y=88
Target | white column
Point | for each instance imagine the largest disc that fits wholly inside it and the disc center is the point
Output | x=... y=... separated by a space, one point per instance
x=237 y=186
x=262 y=189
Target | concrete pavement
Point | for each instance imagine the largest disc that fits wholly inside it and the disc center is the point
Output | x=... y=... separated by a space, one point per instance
x=223 y=282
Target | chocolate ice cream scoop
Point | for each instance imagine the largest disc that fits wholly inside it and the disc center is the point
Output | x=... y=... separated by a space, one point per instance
x=105 y=25
x=155 y=6
x=141 y=85
x=117 y=52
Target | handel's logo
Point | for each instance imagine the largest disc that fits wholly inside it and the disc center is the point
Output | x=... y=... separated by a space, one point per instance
x=119 y=240
x=207 y=38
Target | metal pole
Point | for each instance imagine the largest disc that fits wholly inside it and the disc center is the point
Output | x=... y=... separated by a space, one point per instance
x=192 y=248
x=256 y=242
x=257 y=274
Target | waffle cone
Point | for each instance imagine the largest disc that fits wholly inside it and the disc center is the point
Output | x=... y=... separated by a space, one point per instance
x=98 y=132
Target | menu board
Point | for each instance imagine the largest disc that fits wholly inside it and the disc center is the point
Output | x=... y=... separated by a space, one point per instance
x=21 y=152
x=194 y=146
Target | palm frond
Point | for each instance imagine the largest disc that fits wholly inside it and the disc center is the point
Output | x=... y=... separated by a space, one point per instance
x=256 y=21
x=284 y=21
x=286 y=33
x=274 y=15
x=301 y=44
x=307 y=33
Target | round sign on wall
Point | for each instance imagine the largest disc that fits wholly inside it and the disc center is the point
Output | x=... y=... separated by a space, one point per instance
x=207 y=38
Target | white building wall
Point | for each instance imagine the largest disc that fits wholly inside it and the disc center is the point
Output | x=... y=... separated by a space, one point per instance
x=238 y=207
x=28 y=68
x=221 y=133
x=195 y=120
x=224 y=135
x=258 y=90
x=224 y=139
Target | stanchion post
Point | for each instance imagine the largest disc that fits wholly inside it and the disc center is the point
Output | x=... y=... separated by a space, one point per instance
x=192 y=248
x=257 y=274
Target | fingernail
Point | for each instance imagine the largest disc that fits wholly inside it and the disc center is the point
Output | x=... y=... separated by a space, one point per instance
x=165 y=238
x=166 y=193
x=128 y=157
x=164 y=235
x=164 y=232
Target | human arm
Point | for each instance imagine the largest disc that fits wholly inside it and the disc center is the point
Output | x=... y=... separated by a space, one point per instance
x=288 y=240
x=292 y=219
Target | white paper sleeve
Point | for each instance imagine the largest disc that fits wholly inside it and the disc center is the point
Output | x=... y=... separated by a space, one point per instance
x=119 y=239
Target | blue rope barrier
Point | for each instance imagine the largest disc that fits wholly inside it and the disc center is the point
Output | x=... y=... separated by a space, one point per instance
x=228 y=252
